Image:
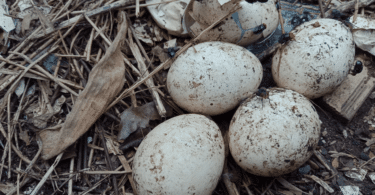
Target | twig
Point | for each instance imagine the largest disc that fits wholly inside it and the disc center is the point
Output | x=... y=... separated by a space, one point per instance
x=281 y=19
x=70 y=185
x=150 y=83
x=137 y=8
x=321 y=9
x=231 y=187
x=109 y=162
x=355 y=11
x=106 y=172
x=94 y=12
x=92 y=150
x=321 y=182
x=44 y=179
x=268 y=187
x=10 y=134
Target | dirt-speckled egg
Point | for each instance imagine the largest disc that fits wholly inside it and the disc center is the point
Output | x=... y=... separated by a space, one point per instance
x=316 y=59
x=254 y=22
x=274 y=138
x=183 y=155
x=212 y=78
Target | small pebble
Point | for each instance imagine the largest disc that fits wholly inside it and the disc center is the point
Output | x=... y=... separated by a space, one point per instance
x=320 y=143
x=324 y=151
x=324 y=133
x=372 y=96
x=304 y=170
x=366 y=149
x=364 y=156
x=345 y=133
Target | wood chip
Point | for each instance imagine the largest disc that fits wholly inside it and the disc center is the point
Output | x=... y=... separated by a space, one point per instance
x=321 y=182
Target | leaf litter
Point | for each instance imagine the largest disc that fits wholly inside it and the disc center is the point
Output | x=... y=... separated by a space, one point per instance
x=96 y=73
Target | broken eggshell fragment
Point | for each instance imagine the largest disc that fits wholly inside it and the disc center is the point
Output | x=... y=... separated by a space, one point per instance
x=274 y=137
x=212 y=78
x=183 y=155
x=316 y=59
x=169 y=15
x=254 y=22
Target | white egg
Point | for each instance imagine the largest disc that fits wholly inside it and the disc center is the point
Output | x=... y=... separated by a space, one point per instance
x=317 y=58
x=212 y=78
x=239 y=28
x=274 y=138
x=183 y=155
x=169 y=15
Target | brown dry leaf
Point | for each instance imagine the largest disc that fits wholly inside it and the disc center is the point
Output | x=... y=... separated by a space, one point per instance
x=371 y=155
x=113 y=147
x=42 y=120
x=105 y=82
x=25 y=137
x=133 y=119
x=160 y=53
x=335 y=162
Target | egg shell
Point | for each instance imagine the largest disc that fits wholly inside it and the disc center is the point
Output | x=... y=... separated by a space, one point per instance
x=276 y=138
x=316 y=60
x=169 y=15
x=183 y=155
x=212 y=78
x=237 y=28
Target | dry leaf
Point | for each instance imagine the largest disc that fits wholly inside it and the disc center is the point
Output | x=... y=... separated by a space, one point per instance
x=335 y=163
x=42 y=120
x=6 y=188
x=350 y=190
x=371 y=155
x=58 y=104
x=160 y=53
x=105 y=82
x=21 y=88
x=25 y=137
x=356 y=175
x=133 y=119
x=26 y=23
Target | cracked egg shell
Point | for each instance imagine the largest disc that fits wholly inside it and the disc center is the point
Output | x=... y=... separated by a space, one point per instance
x=212 y=78
x=276 y=138
x=169 y=15
x=183 y=155
x=240 y=28
x=317 y=58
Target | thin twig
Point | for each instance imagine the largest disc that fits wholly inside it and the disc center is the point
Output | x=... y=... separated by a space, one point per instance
x=44 y=179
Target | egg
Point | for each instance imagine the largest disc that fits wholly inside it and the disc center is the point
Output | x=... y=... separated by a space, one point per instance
x=254 y=22
x=169 y=15
x=276 y=136
x=183 y=155
x=316 y=59
x=212 y=78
